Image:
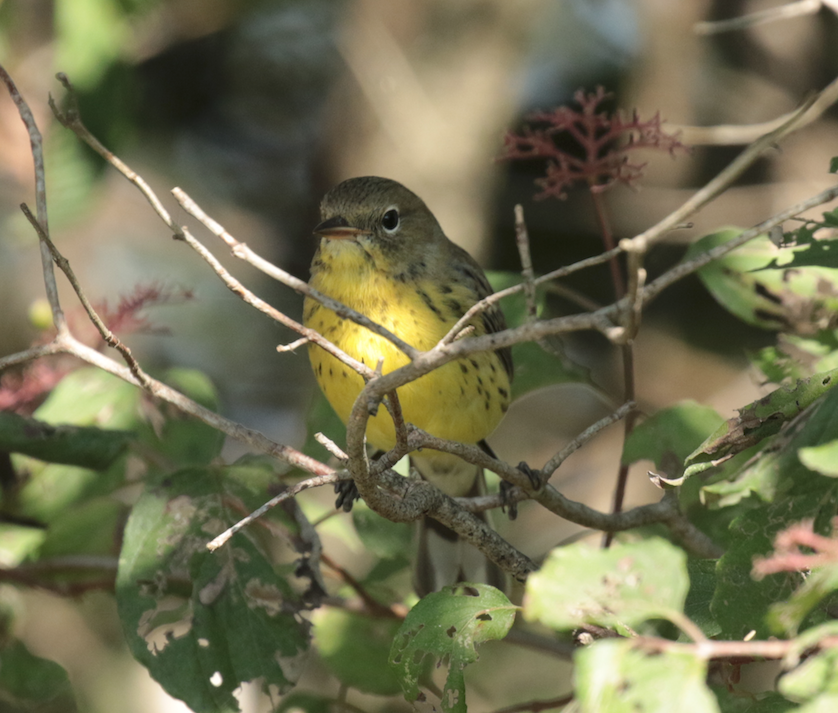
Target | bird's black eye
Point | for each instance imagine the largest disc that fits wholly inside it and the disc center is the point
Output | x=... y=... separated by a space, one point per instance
x=390 y=220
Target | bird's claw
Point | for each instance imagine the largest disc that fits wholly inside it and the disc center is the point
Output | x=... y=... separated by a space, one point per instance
x=347 y=494
x=533 y=476
x=510 y=507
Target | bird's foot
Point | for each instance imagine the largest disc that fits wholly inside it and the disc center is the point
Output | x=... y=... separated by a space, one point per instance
x=510 y=507
x=534 y=476
x=347 y=493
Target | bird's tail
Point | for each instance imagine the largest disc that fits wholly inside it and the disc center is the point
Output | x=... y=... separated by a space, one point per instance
x=443 y=558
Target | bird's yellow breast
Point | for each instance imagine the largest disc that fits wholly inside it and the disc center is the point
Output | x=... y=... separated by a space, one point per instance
x=462 y=401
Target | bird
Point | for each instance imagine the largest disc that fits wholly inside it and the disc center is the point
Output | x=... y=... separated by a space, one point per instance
x=384 y=254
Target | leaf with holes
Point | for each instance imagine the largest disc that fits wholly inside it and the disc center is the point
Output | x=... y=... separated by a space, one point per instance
x=447 y=626
x=204 y=623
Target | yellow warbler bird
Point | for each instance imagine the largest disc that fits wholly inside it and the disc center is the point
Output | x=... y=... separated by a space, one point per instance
x=383 y=253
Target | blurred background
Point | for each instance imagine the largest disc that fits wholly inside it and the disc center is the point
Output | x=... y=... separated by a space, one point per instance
x=257 y=107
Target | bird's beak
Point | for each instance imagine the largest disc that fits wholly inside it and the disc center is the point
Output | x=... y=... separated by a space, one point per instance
x=338 y=228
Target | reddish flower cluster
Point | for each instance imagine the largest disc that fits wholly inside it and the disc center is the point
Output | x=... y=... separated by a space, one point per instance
x=128 y=318
x=788 y=555
x=606 y=142
x=24 y=390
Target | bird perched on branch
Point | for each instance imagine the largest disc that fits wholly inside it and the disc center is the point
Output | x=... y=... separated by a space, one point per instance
x=383 y=253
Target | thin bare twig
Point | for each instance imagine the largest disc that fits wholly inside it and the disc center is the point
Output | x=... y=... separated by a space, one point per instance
x=717 y=184
x=331 y=446
x=771 y=14
x=538 y=706
x=71 y=119
x=457 y=330
x=552 y=465
x=37 y=144
x=522 y=240
x=293 y=346
x=654 y=288
x=243 y=252
x=315 y=482
x=710 y=649
x=732 y=135
x=64 y=265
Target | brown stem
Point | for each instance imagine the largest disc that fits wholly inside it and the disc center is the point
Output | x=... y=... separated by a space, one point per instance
x=609 y=244
x=627 y=354
x=628 y=427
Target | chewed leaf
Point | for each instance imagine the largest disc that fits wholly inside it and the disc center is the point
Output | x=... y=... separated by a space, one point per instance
x=759 y=420
x=205 y=623
x=447 y=626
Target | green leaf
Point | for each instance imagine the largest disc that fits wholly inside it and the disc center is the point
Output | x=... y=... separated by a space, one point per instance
x=699 y=598
x=356 y=649
x=740 y=603
x=301 y=702
x=447 y=626
x=91 y=35
x=91 y=527
x=822 y=459
x=619 y=587
x=759 y=420
x=732 y=282
x=183 y=440
x=778 y=468
x=833 y=164
x=732 y=701
x=787 y=616
x=791 y=289
x=28 y=682
x=535 y=367
x=613 y=676
x=202 y=622
x=92 y=397
x=87 y=447
x=816 y=675
x=815 y=254
x=676 y=430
